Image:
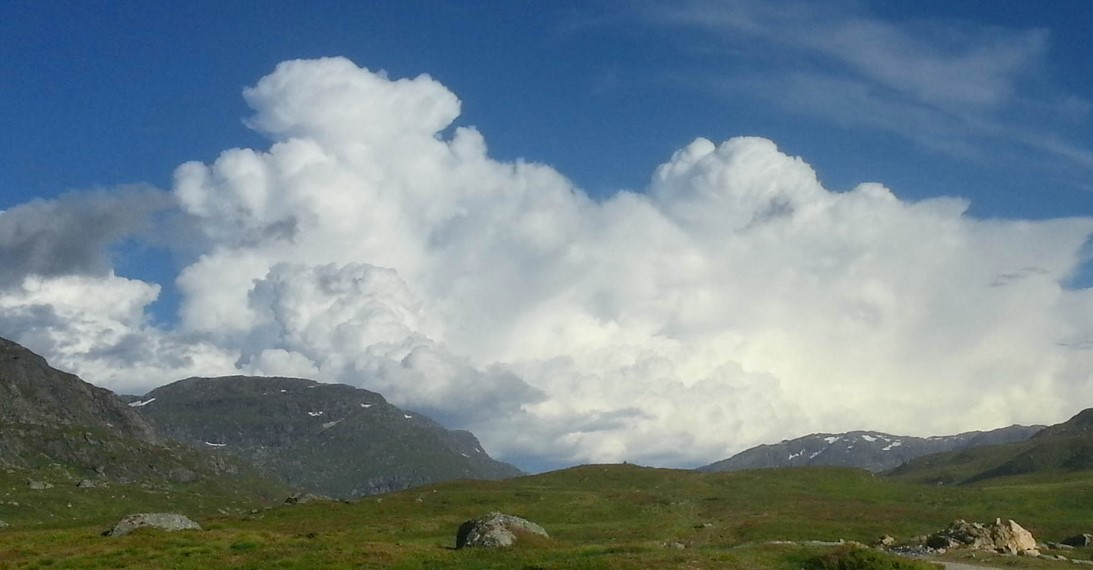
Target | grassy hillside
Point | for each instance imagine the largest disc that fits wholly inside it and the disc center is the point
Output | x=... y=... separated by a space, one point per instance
x=65 y=504
x=1056 y=451
x=614 y=516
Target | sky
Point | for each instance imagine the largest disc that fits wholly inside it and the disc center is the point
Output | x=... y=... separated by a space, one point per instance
x=657 y=232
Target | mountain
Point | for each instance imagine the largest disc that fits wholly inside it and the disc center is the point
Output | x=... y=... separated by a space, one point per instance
x=53 y=421
x=1061 y=448
x=870 y=450
x=331 y=439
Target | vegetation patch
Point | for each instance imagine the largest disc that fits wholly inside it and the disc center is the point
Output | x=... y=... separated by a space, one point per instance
x=857 y=558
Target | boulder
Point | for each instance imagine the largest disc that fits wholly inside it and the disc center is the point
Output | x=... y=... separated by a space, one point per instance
x=495 y=530
x=163 y=521
x=1079 y=540
x=86 y=484
x=303 y=498
x=1003 y=537
x=38 y=485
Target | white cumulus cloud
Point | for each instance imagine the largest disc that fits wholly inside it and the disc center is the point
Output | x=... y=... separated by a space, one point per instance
x=734 y=301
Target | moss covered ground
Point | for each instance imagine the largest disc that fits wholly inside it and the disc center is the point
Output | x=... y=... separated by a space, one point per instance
x=599 y=516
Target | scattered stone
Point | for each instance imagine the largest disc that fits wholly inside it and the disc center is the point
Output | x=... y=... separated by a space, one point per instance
x=86 y=484
x=495 y=530
x=1079 y=540
x=915 y=550
x=886 y=540
x=38 y=485
x=164 y=521
x=3 y=524
x=1058 y=546
x=1082 y=562
x=675 y=544
x=304 y=498
x=1002 y=537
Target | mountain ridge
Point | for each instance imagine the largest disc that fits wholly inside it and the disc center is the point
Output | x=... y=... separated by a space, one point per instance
x=871 y=450
x=332 y=439
x=1066 y=447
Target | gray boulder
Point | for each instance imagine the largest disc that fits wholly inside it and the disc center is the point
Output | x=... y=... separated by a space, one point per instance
x=495 y=530
x=162 y=521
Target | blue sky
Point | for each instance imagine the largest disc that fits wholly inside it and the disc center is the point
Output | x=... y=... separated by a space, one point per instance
x=976 y=117
x=104 y=93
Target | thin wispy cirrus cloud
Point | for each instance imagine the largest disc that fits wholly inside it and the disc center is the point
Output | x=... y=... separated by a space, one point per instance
x=376 y=240
x=949 y=85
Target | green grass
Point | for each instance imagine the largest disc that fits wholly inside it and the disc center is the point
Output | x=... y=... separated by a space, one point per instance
x=598 y=516
x=857 y=558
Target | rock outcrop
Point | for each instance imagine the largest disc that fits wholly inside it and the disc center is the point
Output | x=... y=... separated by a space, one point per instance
x=1003 y=537
x=163 y=521
x=495 y=530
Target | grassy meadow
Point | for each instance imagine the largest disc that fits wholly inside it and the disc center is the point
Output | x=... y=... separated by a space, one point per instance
x=599 y=516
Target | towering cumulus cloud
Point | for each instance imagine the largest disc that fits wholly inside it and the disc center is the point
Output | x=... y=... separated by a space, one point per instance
x=734 y=301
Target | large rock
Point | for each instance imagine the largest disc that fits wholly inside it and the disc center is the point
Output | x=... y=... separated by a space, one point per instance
x=495 y=530
x=163 y=521
x=1003 y=537
x=304 y=498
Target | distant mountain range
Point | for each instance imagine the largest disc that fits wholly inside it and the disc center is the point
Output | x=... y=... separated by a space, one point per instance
x=248 y=436
x=870 y=450
x=331 y=439
x=264 y=433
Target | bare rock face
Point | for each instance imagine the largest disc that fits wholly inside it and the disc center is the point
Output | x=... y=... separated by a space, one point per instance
x=495 y=530
x=1003 y=537
x=164 y=521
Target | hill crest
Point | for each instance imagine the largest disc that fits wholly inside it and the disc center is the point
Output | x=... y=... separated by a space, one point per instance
x=332 y=439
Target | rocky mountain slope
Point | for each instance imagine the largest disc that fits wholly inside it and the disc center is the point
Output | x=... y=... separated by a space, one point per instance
x=52 y=420
x=870 y=450
x=331 y=439
x=1061 y=448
